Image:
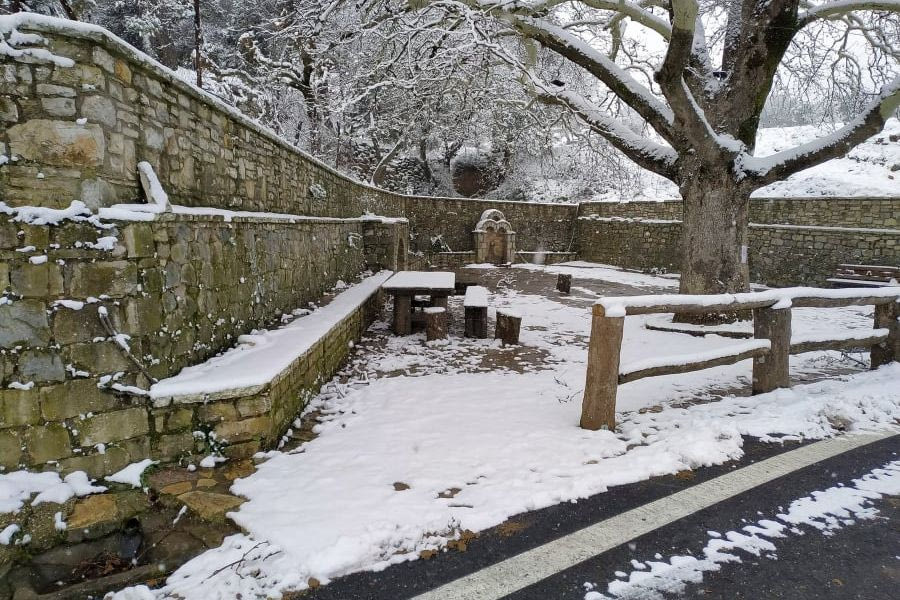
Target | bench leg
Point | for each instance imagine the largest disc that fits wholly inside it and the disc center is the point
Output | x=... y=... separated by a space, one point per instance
x=402 y=314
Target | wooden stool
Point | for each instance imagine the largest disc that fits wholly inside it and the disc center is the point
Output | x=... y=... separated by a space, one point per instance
x=475 y=305
x=508 y=325
x=435 y=323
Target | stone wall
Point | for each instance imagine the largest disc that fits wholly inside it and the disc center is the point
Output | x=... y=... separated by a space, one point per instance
x=792 y=255
x=632 y=244
x=446 y=224
x=835 y=212
x=778 y=255
x=176 y=291
x=81 y=119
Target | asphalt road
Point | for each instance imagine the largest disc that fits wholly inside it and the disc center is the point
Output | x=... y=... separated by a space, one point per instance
x=859 y=561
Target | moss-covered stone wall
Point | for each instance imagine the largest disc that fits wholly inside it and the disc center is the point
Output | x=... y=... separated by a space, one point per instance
x=174 y=291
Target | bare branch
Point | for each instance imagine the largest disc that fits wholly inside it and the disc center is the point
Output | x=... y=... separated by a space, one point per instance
x=635 y=95
x=688 y=116
x=650 y=155
x=842 y=7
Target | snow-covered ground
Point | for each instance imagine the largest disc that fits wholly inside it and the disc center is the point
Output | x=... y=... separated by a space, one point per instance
x=417 y=442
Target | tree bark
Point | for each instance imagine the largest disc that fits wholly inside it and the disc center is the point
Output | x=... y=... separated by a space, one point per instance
x=714 y=240
x=198 y=43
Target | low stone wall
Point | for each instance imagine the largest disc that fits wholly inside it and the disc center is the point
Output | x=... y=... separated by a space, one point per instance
x=783 y=255
x=632 y=244
x=244 y=424
x=441 y=224
x=176 y=291
x=791 y=255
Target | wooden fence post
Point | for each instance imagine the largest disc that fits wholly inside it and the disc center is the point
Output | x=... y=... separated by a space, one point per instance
x=886 y=316
x=598 y=408
x=772 y=370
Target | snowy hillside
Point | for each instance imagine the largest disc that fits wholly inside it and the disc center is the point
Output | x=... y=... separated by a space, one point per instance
x=865 y=171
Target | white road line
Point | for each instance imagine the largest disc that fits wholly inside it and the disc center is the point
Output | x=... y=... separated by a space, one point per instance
x=536 y=564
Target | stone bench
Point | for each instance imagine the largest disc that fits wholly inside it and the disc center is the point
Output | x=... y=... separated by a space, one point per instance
x=475 y=306
x=252 y=392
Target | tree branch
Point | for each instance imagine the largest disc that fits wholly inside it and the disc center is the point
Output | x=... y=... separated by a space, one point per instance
x=842 y=7
x=650 y=155
x=632 y=93
x=769 y=169
x=670 y=76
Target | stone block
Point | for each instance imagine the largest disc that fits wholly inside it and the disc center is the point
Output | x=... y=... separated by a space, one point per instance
x=71 y=326
x=10 y=449
x=139 y=240
x=62 y=143
x=112 y=278
x=178 y=419
x=247 y=429
x=74 y=398
x=103 y=59
x=210 y=506
x=9 y=112
x=41 y=366
x=24 y=323
x=113 y=426
x=171 y=446
x=93 y=510
x=122 y=71
x=99 y=109
x=47 y=442
x=95 y=464
x=99 y=357
x=253 y=406
x=48 y=89
x=18 y=407
x=215 y=412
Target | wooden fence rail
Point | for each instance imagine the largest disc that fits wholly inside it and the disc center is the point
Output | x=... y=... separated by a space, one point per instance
x=770 y=349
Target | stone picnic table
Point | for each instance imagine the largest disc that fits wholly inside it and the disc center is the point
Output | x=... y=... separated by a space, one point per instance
x=404 y=286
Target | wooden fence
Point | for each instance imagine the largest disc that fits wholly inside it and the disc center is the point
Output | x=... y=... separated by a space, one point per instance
x=770 y=349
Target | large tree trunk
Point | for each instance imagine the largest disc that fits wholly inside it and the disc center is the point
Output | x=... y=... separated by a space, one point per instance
x=714 y=239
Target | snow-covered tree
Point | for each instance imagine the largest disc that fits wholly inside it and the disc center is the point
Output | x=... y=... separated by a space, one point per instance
x=679 y=89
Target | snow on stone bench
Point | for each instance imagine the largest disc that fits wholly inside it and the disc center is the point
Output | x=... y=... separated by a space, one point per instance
x=619 y=306
x=684 y=363
x=476 y=297
x=249 y=367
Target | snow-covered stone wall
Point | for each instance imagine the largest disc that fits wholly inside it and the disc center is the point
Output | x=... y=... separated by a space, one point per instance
x=80 y=108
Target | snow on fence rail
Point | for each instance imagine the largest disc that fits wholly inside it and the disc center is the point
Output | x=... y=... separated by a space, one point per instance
x=770 y=350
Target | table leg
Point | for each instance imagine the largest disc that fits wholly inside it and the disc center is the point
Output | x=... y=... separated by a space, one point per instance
x=402 y=314
x=442 y=302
